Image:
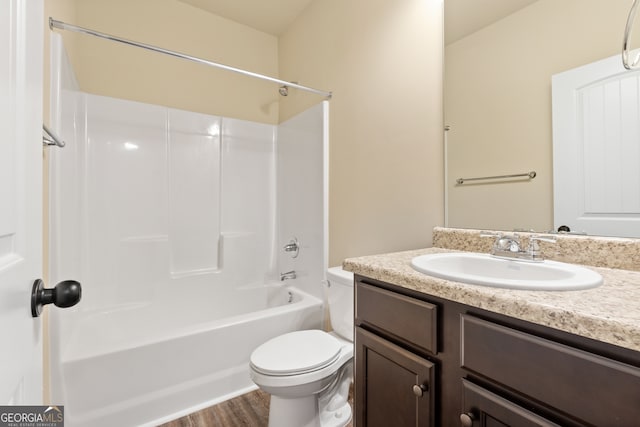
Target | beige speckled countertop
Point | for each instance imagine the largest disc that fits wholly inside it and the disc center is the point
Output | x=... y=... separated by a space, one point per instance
x=609 y=313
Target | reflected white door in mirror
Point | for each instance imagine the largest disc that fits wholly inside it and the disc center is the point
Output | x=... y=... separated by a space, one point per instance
x=596 y=149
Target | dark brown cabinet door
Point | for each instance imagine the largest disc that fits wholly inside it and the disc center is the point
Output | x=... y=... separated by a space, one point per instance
x=394 y=387
x=483 y=408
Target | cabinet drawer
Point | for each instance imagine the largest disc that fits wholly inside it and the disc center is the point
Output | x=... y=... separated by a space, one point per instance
x=488 y=409
x=552 y=373
x=406 y=318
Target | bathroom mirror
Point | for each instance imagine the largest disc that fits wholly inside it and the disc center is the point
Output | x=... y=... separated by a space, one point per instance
x=499 y=59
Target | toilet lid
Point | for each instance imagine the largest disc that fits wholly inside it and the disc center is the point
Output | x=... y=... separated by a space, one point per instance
x=296 y=353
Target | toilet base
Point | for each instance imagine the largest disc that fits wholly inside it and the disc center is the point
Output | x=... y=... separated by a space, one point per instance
x=328 y=408
x=335 y=410
x=294 y=412
x=337 y=418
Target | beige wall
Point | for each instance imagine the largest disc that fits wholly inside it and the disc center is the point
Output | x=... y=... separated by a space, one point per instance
x=383 y=61
x=113 y=69
x=498 y=104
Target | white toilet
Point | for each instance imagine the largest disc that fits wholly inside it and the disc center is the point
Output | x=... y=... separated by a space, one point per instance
x=308 y=373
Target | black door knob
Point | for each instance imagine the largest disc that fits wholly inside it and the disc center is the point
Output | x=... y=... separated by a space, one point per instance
x=64 y=294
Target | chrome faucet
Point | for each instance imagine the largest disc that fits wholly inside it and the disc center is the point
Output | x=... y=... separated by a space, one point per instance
x=288 y=275
x=510 y=247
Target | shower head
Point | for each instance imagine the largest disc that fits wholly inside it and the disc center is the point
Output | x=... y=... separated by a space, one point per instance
x=284 y=90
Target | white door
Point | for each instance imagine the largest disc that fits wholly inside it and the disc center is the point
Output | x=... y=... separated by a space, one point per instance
x=596 y=149
x=21 y=29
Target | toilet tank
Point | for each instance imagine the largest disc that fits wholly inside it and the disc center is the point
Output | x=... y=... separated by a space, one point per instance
x=340 y=294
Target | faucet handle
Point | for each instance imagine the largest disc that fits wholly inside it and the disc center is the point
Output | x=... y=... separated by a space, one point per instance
x=293 y=246
x=534 y=248
x=513 y=242
x=535 y=238
x=503 y=242
x=509 y=242
x=496 y=236
x=499 y=239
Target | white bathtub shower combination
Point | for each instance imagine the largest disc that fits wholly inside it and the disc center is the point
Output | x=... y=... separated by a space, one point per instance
x=175 y=222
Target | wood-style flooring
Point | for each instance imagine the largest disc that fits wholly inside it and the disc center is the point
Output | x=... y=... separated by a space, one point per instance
x=248 y=410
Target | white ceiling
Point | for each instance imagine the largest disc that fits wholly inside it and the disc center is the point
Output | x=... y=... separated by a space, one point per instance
x=269 y=16
x=463 y=17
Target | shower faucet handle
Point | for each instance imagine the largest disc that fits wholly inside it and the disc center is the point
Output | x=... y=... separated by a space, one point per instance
x=292 y=246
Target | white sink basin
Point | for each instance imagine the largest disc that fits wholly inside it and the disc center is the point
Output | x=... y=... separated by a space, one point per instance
x=483 y=269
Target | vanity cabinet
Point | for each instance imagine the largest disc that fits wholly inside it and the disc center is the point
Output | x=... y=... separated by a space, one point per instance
x=395 y=380
x=471 y=367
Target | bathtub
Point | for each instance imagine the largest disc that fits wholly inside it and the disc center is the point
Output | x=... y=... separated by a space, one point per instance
x=147 y=364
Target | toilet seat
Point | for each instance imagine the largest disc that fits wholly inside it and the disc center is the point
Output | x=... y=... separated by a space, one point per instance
x=296 y=353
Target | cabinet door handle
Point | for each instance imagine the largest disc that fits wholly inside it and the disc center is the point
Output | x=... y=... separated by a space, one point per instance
x=466 y=420
x=419 y=389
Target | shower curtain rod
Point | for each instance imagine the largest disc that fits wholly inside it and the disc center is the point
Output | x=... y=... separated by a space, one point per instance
x=70 y=27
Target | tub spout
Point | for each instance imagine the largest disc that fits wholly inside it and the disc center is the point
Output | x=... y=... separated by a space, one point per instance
x=288 y=275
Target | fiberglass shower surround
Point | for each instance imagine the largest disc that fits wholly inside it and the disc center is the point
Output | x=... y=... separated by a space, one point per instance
x=175 y=224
